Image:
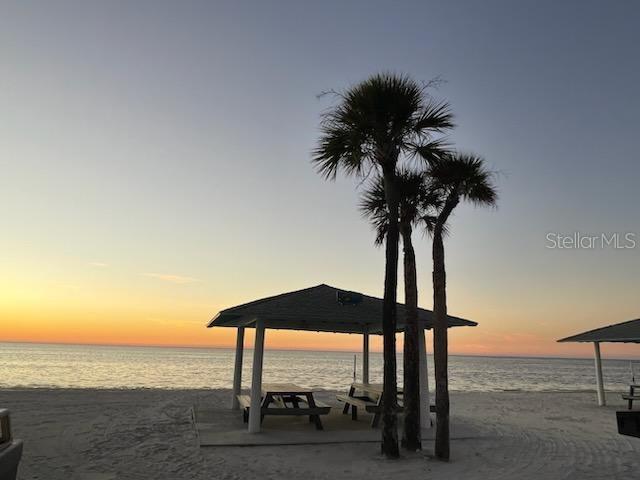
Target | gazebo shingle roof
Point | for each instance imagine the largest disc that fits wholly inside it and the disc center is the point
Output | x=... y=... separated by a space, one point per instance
x=317 y=309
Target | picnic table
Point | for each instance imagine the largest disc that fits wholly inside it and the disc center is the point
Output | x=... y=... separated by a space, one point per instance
x=286 y=399
x=632 y=395
x=367 y=396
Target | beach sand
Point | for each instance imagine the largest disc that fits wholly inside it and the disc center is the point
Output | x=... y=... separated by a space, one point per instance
x=149 y=434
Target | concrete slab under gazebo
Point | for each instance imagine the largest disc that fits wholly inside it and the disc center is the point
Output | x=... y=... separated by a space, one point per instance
x=625 y=332
x=321 y=308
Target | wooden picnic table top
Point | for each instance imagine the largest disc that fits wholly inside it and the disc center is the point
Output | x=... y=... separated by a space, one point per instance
x=284 y=389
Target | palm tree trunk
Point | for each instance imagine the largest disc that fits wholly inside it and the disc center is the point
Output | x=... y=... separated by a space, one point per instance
x=440 y=346
x=411 y=439
x=389 y=391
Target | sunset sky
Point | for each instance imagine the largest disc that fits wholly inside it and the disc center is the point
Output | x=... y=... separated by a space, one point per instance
x=155 y=165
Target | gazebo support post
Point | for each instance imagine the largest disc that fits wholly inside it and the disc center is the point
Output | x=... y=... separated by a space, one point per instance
x=237 y=371
x=256 y=379
x=425 y=413
x=599 y=382
x=365 y=357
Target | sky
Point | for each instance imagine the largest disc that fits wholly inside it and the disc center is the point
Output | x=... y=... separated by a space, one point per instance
x=155 y=165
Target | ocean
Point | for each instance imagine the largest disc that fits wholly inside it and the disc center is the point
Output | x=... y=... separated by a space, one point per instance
x=24 y=365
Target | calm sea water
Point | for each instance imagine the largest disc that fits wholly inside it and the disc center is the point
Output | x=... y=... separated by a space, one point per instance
x=81 y=366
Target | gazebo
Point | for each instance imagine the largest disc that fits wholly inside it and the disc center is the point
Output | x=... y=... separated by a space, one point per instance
x=625 y=332
x=321 y=308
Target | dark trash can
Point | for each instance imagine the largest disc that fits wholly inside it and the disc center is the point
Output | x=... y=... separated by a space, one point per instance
x=10 y=449
x=9 y=459
x=629 y=423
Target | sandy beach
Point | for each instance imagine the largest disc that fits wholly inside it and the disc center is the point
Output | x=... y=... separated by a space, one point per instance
x=149 y=434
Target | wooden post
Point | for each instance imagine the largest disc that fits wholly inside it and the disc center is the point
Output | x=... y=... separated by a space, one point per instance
x=602 y=401
x=365 y=357
x=425 y=413
x=237 y=371
x=256 y=379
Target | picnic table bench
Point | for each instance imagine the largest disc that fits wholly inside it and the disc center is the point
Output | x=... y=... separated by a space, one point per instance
x=367 y=396
x=286 y=399
x=632 y=395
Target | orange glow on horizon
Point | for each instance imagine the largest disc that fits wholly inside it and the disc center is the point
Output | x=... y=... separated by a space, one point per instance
x=54 y=313
x=80 y=328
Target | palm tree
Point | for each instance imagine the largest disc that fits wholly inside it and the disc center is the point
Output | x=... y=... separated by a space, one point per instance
x=372 y=127
x=458 y=178
x=416 y=202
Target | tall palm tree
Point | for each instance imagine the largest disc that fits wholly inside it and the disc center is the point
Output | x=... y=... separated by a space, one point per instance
x=458 y=178
x=416 y=202
x=372 y=127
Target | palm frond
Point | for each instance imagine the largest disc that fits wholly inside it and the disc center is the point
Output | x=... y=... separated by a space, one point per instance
x=435 y=117
x=377 y=122
x=467 y=176
x=373 y=206
x=417 y=200
x=432 y=150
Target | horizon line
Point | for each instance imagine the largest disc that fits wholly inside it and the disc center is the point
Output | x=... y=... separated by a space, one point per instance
x=208 y=347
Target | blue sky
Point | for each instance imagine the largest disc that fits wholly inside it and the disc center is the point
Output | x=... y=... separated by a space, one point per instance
x=174 y=139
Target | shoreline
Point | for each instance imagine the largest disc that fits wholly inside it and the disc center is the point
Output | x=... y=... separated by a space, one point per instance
x=321 y=390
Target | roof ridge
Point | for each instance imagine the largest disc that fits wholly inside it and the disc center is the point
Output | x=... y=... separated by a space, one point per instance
x=272 y=297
